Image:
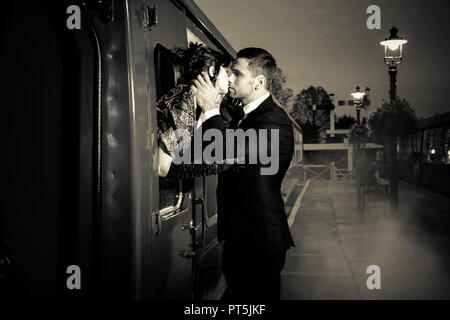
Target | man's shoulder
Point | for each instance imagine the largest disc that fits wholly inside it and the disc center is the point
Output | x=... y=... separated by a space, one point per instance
x=274 y=112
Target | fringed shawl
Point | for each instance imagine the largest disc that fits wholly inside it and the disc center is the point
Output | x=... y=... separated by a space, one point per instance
x=176 y=110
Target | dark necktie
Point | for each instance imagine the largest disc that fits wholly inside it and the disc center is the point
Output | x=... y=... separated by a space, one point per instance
x=238 y=116
x=240 y=113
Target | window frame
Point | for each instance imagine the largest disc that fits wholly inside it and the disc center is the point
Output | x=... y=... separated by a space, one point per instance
x=159 y=50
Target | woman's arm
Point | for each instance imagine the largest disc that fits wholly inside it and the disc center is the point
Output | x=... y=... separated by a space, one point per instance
x=183 y=171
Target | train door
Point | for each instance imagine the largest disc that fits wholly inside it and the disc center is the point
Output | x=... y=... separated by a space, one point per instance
x=173 y=225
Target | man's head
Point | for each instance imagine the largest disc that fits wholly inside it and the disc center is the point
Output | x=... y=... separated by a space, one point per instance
x=252 y=73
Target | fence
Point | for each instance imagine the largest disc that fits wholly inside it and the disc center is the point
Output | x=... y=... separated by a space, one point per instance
x=322 y=172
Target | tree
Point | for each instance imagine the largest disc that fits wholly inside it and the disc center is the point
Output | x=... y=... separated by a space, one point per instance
x=311 y=109
x=358 y=134
x=392 y=121
x=279 y=91
x=389 y=123
x=285 y=98
x=345 y=122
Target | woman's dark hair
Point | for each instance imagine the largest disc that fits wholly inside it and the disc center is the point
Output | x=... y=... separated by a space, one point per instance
x=197 y=58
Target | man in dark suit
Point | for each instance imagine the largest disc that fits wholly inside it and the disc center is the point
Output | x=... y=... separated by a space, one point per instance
x=251 y=219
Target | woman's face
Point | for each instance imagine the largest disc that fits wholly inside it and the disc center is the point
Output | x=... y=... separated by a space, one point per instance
x=222 y=79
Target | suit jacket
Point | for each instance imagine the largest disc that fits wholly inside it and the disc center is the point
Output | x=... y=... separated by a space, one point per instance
x=251 y=215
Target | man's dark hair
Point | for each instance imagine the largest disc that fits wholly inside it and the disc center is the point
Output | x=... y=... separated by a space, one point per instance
x=197 y=58
x=260 y=62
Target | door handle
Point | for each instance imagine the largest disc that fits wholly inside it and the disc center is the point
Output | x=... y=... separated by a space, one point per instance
x=201 y=201
x=187 y=254
x=169 y=212
x=190 y=226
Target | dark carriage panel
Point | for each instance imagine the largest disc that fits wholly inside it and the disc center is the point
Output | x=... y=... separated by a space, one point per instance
x=80 y=156
x=47 y=208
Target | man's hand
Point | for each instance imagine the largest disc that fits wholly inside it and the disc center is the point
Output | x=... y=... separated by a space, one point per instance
x=205 y=92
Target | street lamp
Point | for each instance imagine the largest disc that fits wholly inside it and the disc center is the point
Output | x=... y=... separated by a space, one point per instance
x=358 y=98
x=360 y=102
x=393 y=55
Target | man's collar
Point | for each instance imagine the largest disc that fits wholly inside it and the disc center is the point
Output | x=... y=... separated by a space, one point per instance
x=255 y=103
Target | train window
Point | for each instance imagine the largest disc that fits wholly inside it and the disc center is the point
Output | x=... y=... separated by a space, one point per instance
x=165 y=70
x=166 y=76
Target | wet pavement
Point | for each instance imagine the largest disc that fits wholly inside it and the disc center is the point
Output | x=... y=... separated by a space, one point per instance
x=334 y=246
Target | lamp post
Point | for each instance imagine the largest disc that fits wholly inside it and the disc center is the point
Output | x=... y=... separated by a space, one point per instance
x=332 y=116
x=393 y=55
x=358 y=98
x=366 y=103
x=314 y=110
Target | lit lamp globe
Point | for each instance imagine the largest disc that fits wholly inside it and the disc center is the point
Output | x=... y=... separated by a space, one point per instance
x=393 y=48
x=358 y=97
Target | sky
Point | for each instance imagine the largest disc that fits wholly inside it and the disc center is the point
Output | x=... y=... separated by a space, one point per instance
x=327 y=43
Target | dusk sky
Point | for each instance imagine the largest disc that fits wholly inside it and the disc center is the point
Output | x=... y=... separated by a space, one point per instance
x=327 y=43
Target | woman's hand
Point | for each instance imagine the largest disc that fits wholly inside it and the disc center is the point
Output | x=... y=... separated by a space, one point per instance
x=165 y=162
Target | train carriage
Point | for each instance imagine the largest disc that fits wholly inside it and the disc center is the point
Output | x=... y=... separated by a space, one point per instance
x=80 y=154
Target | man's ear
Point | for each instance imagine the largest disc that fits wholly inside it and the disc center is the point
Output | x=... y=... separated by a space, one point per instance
x=260 y=82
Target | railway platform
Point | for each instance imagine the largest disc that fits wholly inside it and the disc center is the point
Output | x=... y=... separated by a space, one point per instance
x=336 y=250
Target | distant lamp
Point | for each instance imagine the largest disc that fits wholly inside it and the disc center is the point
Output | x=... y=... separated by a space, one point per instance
x=433 y=151
x=358 y=97
x=393 y=48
